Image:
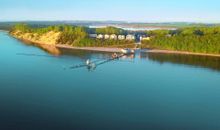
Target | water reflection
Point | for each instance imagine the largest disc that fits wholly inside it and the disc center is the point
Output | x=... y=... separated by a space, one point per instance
x=51 y=49
x=84 y=54
x=92 y=64
x=192 y=60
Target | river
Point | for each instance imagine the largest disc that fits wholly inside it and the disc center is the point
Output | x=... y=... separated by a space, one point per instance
x=39 y=90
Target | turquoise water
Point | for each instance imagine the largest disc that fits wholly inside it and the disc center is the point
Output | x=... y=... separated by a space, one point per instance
x=152 y=91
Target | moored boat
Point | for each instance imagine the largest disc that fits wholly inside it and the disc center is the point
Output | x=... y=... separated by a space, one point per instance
x=127 y=51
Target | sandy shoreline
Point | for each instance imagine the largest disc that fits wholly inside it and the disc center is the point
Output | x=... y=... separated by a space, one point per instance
x=179 y=52
x=61 y=46
x=101 y=49
x=118 y=50
x=105 y=49
x=3 y=30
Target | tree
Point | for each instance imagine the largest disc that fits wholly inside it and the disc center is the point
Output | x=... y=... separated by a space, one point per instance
x=22 y=27
x=109 y=30
x=198 y=32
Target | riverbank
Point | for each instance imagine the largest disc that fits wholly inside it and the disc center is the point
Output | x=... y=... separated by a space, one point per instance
x=179 y=52
x=48 y=47
x=45 y=46
x=101 y=49
x=4 y=31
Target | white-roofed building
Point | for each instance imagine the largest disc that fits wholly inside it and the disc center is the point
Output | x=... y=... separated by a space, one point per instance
x=107 y=36
x=130 y=37
x=121 y=37
x=113 y=37
x=100 y=36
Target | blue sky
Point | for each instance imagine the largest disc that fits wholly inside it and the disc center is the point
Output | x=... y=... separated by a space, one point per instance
x=125 y=10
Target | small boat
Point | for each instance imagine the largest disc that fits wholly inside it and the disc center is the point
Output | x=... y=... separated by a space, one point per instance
x=115 y=56
x=88 y=62
x=90 y=65
x=127 y=51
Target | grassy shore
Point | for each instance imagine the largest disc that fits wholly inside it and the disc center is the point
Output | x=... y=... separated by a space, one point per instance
x=51 y=48
x=54 y=49
x=187 y=41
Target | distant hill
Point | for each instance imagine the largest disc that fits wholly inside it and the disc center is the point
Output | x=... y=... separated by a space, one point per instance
x=8 y=25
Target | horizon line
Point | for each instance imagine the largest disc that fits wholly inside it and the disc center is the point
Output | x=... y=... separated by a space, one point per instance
x=122 y=21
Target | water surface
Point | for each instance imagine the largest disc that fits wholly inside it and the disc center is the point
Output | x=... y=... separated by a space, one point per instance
x=151 y=91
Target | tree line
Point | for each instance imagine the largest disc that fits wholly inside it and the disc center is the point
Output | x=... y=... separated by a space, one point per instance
x=110 y=30
x=192 y=39
x=75 y=35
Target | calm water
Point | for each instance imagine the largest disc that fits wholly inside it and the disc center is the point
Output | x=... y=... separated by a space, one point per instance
x=152 y=91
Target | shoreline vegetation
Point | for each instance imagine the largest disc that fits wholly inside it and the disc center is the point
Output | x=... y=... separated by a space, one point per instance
x=75 y=36
x=204 y=41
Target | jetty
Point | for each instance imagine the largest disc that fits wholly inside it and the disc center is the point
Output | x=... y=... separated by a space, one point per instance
x=92 y=65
